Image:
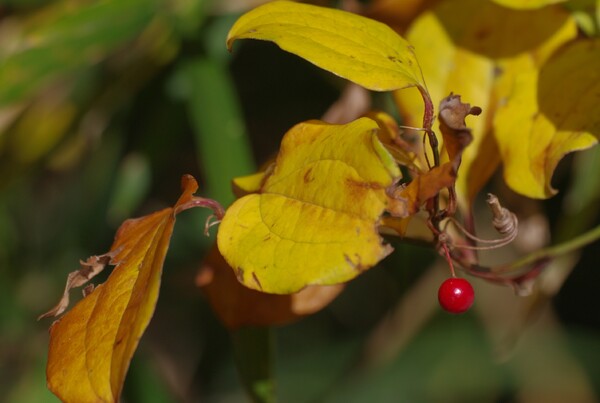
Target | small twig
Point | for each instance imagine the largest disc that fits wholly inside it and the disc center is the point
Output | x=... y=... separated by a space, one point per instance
x=197 y=201
x=452 y=201
x=429 y=166
x=520 y=273
x=428 y=117
x=554 y=251
x=505 y=222
x=419 y=129
x=491 y=243
x=428 y=124
x=448 y=258
x=211 y=220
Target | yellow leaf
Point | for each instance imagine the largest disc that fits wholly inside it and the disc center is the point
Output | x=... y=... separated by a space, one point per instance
x=359 y=49
x=244 y=185
x=464 y=46
x=527 y=4
x=91 y=346
x=315 y=220
x=549 y=114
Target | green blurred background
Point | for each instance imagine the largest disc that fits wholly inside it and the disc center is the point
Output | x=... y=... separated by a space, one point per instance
x=105 y=104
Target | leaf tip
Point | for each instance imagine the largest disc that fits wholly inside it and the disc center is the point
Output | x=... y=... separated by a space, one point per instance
x=229 y=42
x=188 y=182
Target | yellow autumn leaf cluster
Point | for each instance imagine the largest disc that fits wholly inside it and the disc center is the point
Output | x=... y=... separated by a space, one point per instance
x=313 y=217
x=496 y=58
x=549 y=112
x=480 y=50
x=468 y=47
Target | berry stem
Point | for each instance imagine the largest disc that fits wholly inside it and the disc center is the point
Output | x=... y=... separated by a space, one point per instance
x=519 y=272
x=554 y=251
x=449 y=259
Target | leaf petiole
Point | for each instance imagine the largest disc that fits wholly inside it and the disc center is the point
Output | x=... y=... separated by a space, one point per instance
x=555 y=251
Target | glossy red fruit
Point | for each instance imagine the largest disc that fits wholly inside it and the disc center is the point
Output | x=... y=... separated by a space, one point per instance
x=456 y=295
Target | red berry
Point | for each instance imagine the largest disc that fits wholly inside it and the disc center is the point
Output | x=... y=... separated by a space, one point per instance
x=456 y=295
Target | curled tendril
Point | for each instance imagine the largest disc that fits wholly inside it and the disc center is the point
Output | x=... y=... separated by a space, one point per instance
x=211 y=221
x=505 y=221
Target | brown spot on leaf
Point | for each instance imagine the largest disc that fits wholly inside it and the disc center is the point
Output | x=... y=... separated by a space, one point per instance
x=256 y=280
x=364 y=185
x=482 y=33
x=307 y=177
x=356 y=265
x=498 y=71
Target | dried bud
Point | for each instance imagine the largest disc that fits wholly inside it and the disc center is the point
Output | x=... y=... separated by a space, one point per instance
x=504 y=221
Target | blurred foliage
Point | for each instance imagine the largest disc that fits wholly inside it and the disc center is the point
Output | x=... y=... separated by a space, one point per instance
x=105 y=104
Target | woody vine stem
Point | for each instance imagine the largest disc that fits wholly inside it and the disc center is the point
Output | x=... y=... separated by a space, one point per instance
x=428 y=117
x=515 y=273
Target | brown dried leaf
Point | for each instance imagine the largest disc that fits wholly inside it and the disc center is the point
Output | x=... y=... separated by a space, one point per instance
x=406 y=200
x=453 y=127
x=237 y=305
x=89 y=269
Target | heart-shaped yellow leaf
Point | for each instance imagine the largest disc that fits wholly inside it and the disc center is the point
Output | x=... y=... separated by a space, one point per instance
x=359 y=49
x=315 y=219
x=91 y=346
